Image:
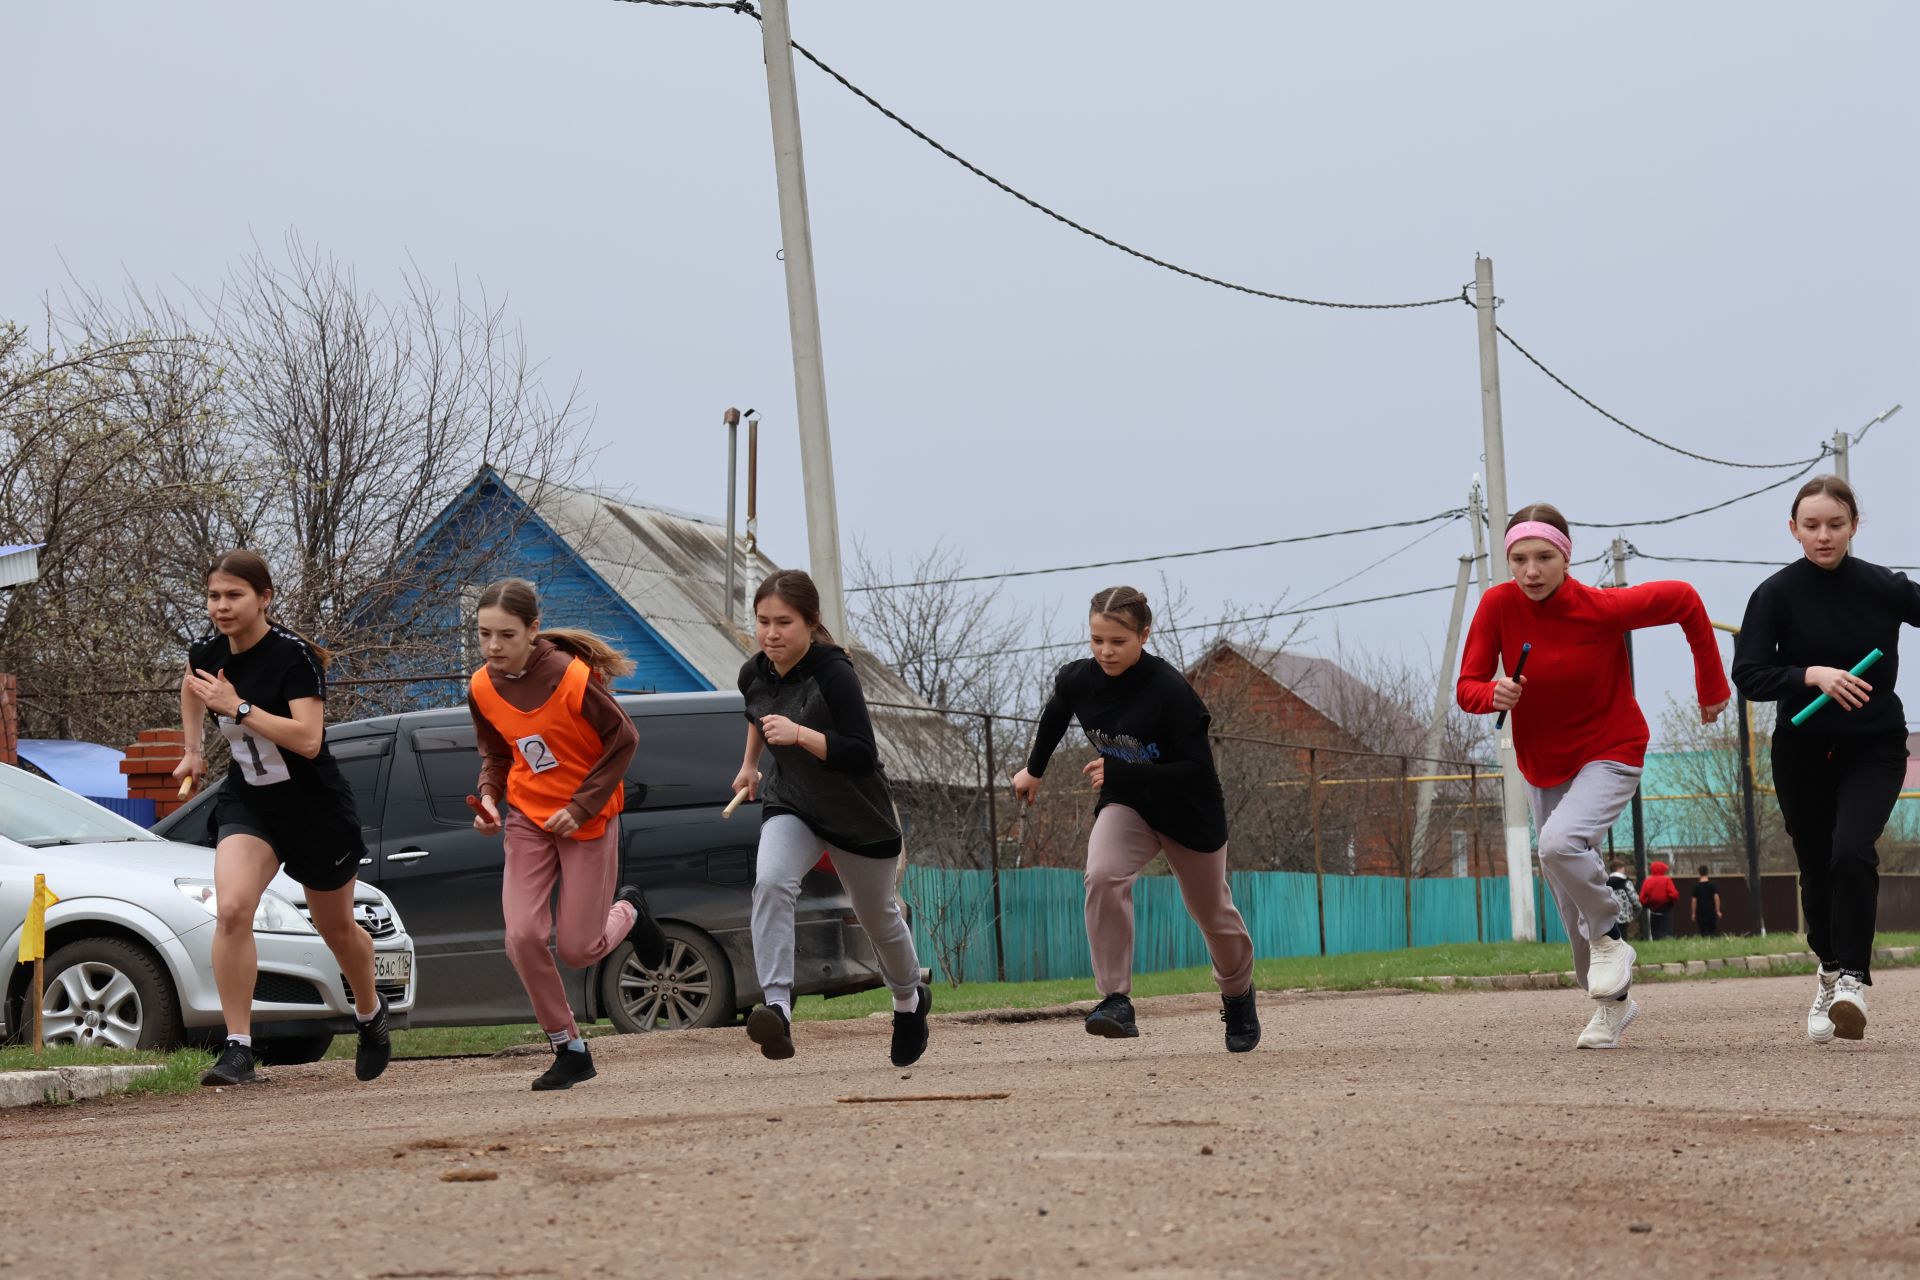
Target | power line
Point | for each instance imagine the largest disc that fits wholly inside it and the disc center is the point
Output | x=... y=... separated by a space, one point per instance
x=1638 y=554
x=1688 y=515
x=1030 y=202
x=1218 y=622
x=1376 y=564
x=1652 y=439
x=1170 y=555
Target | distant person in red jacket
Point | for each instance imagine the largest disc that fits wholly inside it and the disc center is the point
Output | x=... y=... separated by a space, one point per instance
x=1659 y=894
x=1579 y=735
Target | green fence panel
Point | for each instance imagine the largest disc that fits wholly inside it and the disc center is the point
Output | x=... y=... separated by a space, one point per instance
x=1443 y=912
x=1496 y=908
x=953 y=922
x=1043 y=923
x=1281 y=911
x=1365 y=913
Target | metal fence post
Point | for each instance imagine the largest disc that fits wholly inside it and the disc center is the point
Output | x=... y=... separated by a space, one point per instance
x=1749 y=825
x=993 y=852
x=1319 y=870
x=1473 y=860
x=1413 y=854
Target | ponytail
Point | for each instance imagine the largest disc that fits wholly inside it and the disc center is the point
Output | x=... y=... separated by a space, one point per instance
x=606 y=662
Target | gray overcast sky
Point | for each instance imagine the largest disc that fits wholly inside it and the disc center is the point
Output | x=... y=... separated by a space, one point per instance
x=1702 y=215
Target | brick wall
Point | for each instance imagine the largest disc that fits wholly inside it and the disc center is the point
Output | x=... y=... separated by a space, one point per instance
x=9 y=719
x=149 y=768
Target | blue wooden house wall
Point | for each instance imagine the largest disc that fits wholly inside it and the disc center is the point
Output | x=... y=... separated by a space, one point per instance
x=572 y=592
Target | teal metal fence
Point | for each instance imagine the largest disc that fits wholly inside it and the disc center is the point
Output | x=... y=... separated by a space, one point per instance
x=1045 y=933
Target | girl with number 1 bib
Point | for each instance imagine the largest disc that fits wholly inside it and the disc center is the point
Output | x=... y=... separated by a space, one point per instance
x=284 y=802
x=554 y=746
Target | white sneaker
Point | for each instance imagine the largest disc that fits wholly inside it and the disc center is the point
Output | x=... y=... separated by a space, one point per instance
x=1849 y=1008
x=1607 y=1025
x=1819 y=1025
x=1610 y=969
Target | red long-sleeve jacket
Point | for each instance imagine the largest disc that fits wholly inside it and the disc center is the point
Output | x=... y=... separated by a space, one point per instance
x=1579 y=706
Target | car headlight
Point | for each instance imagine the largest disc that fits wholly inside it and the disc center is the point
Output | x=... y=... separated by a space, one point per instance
x=274 y=914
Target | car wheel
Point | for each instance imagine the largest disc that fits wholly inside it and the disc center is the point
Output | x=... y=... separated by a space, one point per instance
x=291 y=1051
x=692 y=989
x=108 y=993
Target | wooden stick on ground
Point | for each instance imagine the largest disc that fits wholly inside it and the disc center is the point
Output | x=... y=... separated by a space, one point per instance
x=933 y=1097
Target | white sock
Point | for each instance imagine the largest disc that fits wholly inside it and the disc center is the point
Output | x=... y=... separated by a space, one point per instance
x=907 y=1003
x=558 y=1038
x=786 y=1010
x=576 y=1045
x=366 y=1017
x=245 y=1042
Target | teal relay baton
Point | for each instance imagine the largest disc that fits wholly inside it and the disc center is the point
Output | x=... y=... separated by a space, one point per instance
x=1800 y=717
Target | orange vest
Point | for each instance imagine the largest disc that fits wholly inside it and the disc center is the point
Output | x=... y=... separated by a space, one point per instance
x=554 y=749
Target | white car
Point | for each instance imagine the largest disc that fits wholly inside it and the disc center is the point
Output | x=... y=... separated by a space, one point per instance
x=130 y=943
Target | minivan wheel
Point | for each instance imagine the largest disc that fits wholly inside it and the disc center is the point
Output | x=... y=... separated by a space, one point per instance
x=108 y=993
x=692 y=989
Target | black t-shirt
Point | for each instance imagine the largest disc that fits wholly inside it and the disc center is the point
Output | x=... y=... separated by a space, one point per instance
x=1703 y=896
x=1151 y=728
x=1805 y=616
x=272 y=675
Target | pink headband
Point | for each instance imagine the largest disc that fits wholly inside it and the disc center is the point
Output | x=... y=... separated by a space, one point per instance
x=1540 y=529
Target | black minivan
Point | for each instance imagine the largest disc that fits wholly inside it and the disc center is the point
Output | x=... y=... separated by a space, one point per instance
x=411 y=775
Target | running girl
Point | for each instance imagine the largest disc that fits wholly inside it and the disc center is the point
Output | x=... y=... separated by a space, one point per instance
x=284 y=803
x=823 y=791
x=1839 y=774
x=1579 y=735
x=554 y=745
x=1158 y=794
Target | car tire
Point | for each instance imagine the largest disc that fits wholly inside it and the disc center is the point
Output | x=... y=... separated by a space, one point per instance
x=292 y=1051
x=109 y=993
x=692 y=990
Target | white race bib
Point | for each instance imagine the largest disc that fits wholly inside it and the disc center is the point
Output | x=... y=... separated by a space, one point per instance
x=539 y=756
x=258 y=760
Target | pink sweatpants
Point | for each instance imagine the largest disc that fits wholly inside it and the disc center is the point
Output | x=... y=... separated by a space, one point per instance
x=1120 y=845
x=588 y=872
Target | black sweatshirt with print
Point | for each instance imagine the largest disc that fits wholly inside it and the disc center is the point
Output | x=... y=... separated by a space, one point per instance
x=844 y=799
x=1805 y=616
x=1151 y=729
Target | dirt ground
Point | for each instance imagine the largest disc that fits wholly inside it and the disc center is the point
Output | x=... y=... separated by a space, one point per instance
x=1379 y=1134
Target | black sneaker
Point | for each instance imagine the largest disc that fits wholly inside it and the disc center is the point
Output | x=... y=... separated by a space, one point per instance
x=570 y=1067
x=375 y=1050
x=769 y=1028
x=234 y=1066
x=649 y=944
x=1113 y=1018
x=1243 y=1022
x=910 y=1029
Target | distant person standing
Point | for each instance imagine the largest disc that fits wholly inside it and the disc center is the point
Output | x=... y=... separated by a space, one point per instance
x=1706 y=906
x=1623 y=892
x=1659 y=894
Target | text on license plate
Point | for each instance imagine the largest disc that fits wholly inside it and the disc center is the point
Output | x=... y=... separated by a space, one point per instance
x=393 y=966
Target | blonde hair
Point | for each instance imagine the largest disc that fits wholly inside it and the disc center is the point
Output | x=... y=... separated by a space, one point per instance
x=518 y=597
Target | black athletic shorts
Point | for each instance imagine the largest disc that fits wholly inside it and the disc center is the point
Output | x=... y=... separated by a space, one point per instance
x=322 y=850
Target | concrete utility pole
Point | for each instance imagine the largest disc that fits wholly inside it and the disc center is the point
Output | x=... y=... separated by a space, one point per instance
x=731 y=418
x=1513 y=795
x=1843 y=443
x=1639 y=811
x=803 y=318
x=1478 y=515
x=1442 y=702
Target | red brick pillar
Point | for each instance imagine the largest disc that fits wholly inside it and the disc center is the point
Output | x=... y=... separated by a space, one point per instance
x=149 y=768
x=9 y=718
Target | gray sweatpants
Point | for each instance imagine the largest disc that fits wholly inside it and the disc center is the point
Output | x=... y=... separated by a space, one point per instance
x=1573 y=820
x=788 y=850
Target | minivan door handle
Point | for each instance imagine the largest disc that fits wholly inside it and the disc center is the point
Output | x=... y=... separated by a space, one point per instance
x=408 y=855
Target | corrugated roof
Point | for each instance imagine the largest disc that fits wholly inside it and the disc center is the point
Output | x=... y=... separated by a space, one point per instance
x=1345 y=699
x=670 y=566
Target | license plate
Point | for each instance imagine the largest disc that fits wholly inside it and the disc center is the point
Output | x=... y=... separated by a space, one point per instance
x=393 y=966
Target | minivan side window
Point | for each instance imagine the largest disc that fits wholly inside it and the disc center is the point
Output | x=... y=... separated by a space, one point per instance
x=362 y=761
x=450 y=768
x=685 y=760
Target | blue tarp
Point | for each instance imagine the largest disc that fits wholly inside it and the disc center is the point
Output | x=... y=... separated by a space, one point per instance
x=83 y=767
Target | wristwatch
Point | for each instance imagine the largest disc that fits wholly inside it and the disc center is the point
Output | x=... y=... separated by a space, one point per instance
x=242 y=711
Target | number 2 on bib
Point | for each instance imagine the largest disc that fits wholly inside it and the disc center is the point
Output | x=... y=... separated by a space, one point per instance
x=539 y=756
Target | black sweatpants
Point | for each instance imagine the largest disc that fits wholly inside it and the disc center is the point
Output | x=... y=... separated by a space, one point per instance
x=1836 y=794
